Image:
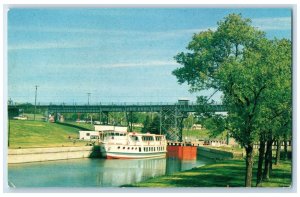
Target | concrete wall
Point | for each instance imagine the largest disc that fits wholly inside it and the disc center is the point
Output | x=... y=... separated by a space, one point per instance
x=214 y=154
x=48 y=154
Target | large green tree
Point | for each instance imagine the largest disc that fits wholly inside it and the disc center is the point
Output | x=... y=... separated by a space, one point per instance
x=275 y=113
x=235 y=59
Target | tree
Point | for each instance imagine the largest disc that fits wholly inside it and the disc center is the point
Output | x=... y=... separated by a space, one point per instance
x=235 y=60
x=151 y=126
x=189 y=121
x=155 y=125
x=146 y=124
x=275 y=113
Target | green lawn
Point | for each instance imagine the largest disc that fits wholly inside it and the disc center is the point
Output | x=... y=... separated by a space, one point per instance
x=29 y=134
x=37 y=116
x=225 y=173
x=196 y=133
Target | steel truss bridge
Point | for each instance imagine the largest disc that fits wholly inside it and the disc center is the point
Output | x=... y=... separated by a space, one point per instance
x=171 y=115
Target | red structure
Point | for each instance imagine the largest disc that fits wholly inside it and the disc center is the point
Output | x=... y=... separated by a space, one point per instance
x=182 y=152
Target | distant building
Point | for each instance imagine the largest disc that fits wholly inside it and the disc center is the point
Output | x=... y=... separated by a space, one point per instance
x=109 y=128
x=61 y=118
x=89 y=135
x=183 y=101
x=51 y=118
x=197 y=126
x=96 y=135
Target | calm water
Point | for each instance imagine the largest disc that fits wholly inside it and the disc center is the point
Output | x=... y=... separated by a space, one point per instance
x=93 y=172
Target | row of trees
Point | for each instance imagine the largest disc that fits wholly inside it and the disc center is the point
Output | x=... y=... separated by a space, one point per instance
x=254 y=75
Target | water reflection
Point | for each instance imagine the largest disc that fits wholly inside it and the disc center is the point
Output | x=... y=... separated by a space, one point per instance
x=94 y=172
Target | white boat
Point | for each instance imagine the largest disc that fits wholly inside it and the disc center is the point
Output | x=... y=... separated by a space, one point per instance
x=130 y=145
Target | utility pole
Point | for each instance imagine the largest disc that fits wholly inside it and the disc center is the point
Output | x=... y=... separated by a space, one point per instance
x=89 y=94
x=35 y=101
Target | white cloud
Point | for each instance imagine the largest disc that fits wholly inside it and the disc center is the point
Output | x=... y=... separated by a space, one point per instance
x=144 y=34
x=277 y=23
x=149 y=63
x=45 y=45
x=140 y=64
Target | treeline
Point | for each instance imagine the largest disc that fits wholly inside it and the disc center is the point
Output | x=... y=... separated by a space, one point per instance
x=254 y=74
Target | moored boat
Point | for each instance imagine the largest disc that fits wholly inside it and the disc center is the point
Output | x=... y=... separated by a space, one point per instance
x=130 y=145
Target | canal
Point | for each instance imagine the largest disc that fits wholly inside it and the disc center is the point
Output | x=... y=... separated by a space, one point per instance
x=94 y=172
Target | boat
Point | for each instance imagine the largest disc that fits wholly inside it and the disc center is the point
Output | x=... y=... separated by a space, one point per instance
x=131 y=145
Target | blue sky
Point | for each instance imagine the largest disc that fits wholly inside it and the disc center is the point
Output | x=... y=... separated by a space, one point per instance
x=116 y=54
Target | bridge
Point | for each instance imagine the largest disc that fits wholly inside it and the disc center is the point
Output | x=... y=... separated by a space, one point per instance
x=138 y=107
x=171 y=114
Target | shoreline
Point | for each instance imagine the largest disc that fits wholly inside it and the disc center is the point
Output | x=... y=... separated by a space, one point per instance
x=28 y=155
x=221 y=174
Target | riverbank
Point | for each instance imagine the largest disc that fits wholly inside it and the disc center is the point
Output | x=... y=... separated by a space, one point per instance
x=223 y=173
x=50 y=154
x=38 y=134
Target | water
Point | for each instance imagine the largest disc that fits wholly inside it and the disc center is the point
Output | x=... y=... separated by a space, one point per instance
x=93 y=172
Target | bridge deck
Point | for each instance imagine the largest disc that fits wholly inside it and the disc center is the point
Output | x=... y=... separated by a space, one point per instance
x=132 y=108
x=62 y=108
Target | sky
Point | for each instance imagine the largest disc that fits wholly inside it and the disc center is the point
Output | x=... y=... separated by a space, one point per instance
x=116 y=54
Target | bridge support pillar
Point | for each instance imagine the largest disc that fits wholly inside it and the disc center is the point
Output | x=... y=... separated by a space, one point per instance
x=171 y=122
x=129 y=120
x=104 y=118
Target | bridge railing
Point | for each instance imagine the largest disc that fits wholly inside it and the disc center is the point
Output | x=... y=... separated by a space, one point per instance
x=108 y=104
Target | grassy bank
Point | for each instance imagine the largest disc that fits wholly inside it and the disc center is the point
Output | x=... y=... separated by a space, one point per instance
x=226 y=173
x=29 y=134
x=196 y=133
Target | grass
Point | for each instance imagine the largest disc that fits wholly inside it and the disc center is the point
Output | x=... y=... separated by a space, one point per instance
x=30 y=134
x=31 y=116
x=237 y=151
x=196 y=133
x=225 y=173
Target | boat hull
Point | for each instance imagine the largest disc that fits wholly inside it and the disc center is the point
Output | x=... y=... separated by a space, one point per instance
x=124 y=155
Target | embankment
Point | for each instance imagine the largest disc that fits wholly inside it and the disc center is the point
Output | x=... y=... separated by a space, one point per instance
x=48 y=154
x=216 y=154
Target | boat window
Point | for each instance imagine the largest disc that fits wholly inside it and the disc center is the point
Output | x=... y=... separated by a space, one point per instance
x=123 y=147
x=144 y=149
x=117 y=134
x=118 y=147
x=140 y=149
x=87 y=134
x=154 y=148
